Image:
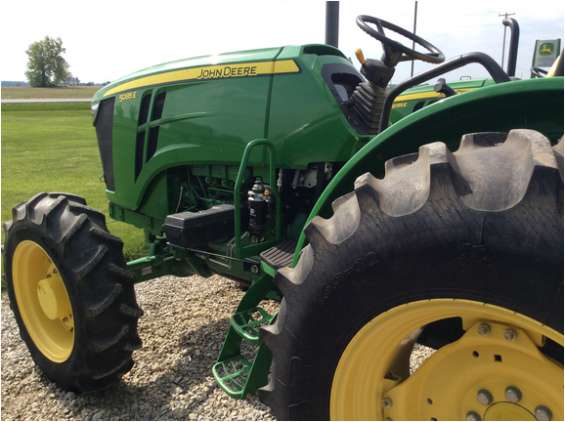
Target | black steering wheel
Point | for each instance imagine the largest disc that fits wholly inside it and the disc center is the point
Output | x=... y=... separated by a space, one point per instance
x=394 y=51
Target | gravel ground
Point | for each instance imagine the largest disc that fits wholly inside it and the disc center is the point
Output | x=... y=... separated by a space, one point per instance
x=182 y=330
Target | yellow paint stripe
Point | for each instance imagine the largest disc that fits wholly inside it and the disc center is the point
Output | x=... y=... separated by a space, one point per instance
x=426 y=95
x=234 y=70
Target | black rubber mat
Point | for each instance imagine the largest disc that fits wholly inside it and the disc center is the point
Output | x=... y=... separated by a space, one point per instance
x=280 y=255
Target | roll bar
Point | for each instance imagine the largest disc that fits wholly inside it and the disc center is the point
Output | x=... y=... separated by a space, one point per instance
x=492 y=67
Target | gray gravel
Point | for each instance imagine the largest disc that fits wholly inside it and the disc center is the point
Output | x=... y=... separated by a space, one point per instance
x=182 y=331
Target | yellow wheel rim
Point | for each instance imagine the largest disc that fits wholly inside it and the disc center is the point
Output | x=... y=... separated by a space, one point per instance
x=495 y=371
x=43 y=301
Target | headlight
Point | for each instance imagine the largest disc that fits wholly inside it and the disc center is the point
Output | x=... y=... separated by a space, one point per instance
x=94 y=110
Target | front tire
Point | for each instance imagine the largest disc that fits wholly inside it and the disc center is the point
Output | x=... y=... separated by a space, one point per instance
x=444 y=243
x=70 y=291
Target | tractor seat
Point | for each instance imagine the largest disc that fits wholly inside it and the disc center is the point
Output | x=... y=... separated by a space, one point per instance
x=556 y=68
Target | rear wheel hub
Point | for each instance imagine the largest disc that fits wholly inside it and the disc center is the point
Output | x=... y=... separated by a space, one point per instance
x=504 y=411
x=495 y=371
x=486 y=374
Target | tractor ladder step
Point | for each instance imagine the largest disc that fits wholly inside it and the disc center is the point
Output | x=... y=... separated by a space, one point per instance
x=243 y=364
x=248 y=322
x=280 y=255
x=232 y=375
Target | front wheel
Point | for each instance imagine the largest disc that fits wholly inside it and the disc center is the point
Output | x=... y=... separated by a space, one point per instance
x=71 y=294
x=434 y=293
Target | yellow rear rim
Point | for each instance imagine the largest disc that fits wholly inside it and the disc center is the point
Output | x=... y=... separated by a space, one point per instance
x=43 y=301
x=495 y=371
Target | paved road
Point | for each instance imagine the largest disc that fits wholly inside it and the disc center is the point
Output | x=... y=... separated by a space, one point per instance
x=44 y=100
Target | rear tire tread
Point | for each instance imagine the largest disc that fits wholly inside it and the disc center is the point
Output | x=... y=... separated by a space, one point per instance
x=92 y=262
x=117 y=371
x=95 y=310
x=106 y=236
x=96 y=216
x=73 y=229
x=99 y=346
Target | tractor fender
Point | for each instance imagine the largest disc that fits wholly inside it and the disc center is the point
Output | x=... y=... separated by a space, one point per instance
x=521 y=104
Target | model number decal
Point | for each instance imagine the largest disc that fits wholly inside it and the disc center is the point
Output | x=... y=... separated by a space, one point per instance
x=127 y=96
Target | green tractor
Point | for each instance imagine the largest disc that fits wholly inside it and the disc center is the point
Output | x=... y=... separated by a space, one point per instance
x=280 y=169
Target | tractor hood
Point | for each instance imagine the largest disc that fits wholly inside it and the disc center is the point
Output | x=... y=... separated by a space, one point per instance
x=426 y=91
x=205 y=67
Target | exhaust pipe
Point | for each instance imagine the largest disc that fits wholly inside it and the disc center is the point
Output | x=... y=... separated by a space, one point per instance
x=332 y=23
x=513 y=47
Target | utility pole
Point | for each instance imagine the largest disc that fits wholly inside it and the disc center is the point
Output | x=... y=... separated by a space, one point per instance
x=414 y=32
x=505 y=14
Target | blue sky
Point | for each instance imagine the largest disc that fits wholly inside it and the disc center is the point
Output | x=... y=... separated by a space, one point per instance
x=107 y=39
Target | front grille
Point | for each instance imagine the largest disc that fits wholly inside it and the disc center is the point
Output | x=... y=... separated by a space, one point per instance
x=104 y=123
x=139 y=142
x=144 y=109
x=152 y=142
x=158 y=106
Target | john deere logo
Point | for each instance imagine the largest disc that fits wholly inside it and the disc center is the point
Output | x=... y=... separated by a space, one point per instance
x=546 y=49
x=214 y=72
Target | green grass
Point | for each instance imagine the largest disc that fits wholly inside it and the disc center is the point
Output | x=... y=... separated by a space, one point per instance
x=52 y=147
x=28 y=92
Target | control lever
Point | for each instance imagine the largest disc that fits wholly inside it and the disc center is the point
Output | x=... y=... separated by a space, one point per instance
x=376 y=72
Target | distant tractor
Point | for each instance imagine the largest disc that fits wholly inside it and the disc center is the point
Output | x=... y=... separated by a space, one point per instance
x=279 y=168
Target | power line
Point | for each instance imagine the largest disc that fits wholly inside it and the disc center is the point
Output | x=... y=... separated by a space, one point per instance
x=414 y=32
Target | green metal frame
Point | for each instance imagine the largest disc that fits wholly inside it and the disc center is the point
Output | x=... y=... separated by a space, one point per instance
x=254 y=249
x=249 y=375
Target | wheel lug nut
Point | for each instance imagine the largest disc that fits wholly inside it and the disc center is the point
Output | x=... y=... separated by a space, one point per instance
x=542 y=413
x=484 y=397
x=387 y=402
x=472 y=416
x=513 y=394
x=484 y=328
x=510 y=334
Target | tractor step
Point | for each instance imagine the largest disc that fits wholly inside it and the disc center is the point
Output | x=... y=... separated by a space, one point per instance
x=232 y=375
x=243 y=364
x=248 y=322
x=280 y=255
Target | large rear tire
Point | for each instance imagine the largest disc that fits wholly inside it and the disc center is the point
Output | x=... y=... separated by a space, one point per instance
x=465 y=248
x=70 y=291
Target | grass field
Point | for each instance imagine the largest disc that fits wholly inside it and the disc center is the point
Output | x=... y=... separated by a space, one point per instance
x=52 y=147
x=28 y=92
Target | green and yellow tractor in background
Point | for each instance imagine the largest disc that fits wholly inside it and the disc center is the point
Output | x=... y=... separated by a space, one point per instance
x=282 y=169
